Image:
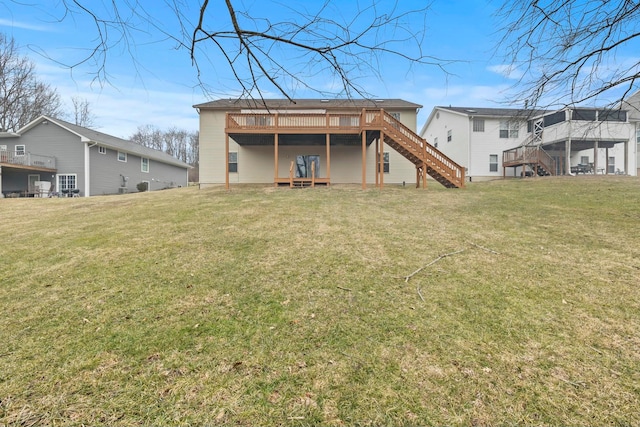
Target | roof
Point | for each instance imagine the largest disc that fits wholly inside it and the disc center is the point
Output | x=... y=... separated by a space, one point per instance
x=109 y=141
x=305 y=104
x=494 y=112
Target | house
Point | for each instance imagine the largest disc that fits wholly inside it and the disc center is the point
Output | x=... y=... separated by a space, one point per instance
x=308 y=142
x=497 y=142
x=67 y=159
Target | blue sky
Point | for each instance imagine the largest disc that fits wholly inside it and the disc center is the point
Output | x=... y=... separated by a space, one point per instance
x=148 y=80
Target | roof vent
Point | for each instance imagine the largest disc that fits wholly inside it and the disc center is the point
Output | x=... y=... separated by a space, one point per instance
x=379 y=100
x=324 y=100
x=471 y=111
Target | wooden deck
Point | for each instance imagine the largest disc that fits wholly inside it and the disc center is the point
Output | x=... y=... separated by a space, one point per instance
x=368 y=124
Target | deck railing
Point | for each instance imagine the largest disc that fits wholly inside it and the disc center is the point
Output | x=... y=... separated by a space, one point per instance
x=529 y=155
x=27 y=159
x=261 y=122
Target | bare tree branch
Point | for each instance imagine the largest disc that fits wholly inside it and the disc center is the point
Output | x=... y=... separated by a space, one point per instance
x=571 y=51
x=339 y=42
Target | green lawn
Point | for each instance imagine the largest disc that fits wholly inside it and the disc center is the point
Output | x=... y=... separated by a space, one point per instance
x=264 y=306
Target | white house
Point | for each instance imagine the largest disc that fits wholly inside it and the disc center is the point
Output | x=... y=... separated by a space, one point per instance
x=496 y=142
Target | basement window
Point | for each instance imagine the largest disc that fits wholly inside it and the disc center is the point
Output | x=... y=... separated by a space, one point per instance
x=493 y=163
x=385 y=162
x=233 y=162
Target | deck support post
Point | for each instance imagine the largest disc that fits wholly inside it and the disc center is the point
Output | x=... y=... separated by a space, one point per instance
x=276 y=160
x=381 y=160
x=606 y=161
x=424 y=175
x=626 y=157
x=595 y=158
x=364 y=159
x=567 y=155
x=328 y=159
x=377 y=160
x=226 y=160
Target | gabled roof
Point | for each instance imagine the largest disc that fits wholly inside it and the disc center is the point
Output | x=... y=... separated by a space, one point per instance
x=108 y=141
x=495 y=113
x=305 y=104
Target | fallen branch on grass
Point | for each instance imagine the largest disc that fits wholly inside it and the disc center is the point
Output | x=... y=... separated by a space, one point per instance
x=406 y=278
x=344 y=289
x=484 y=249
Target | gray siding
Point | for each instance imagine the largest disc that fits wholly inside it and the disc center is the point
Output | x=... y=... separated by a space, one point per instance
x=107 y=173
x=105 y=170
x=52 y=140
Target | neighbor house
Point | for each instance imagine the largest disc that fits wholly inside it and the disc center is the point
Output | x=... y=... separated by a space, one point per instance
x=73 y=160
x=317 y=142
x=496 y=142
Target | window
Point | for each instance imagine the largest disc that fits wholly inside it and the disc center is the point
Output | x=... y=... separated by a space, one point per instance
x=102 y=150
x=233 y=161
x=385 y=162
x=611 y=167
x=66 y=182
x=435 y=142
x=449 y=135
x=493 y=163
x=20 y=150
x=637 y=137
x=478 y=125
x=144 y=164
x=396 y=116
x=584 y=160
x=509 y=129
x=122 y=157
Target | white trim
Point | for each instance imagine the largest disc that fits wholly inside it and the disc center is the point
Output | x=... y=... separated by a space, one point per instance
x=87 y=169
x=102 y=150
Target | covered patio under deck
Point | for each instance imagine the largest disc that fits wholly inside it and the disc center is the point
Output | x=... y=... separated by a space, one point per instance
x=18 y=173
x=564 y=149
x=326 y=131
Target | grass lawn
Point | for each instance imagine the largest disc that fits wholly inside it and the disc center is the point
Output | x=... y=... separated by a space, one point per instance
x=264 y=306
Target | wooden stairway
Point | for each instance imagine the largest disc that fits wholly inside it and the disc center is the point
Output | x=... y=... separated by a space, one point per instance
x=424 y=156
x=531 y=156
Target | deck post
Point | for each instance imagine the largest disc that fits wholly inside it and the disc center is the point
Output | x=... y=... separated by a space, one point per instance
x=377 y=161
x=626 y=157
x=606 y=161
x=595 y=158
x=276 y=160
x=567 y=154
x=381 y=159
x=226 y=159
x=328 y=159
x=424 y=175
x=364 y=158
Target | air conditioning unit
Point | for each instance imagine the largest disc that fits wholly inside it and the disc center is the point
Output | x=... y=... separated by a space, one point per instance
x=123 y=190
